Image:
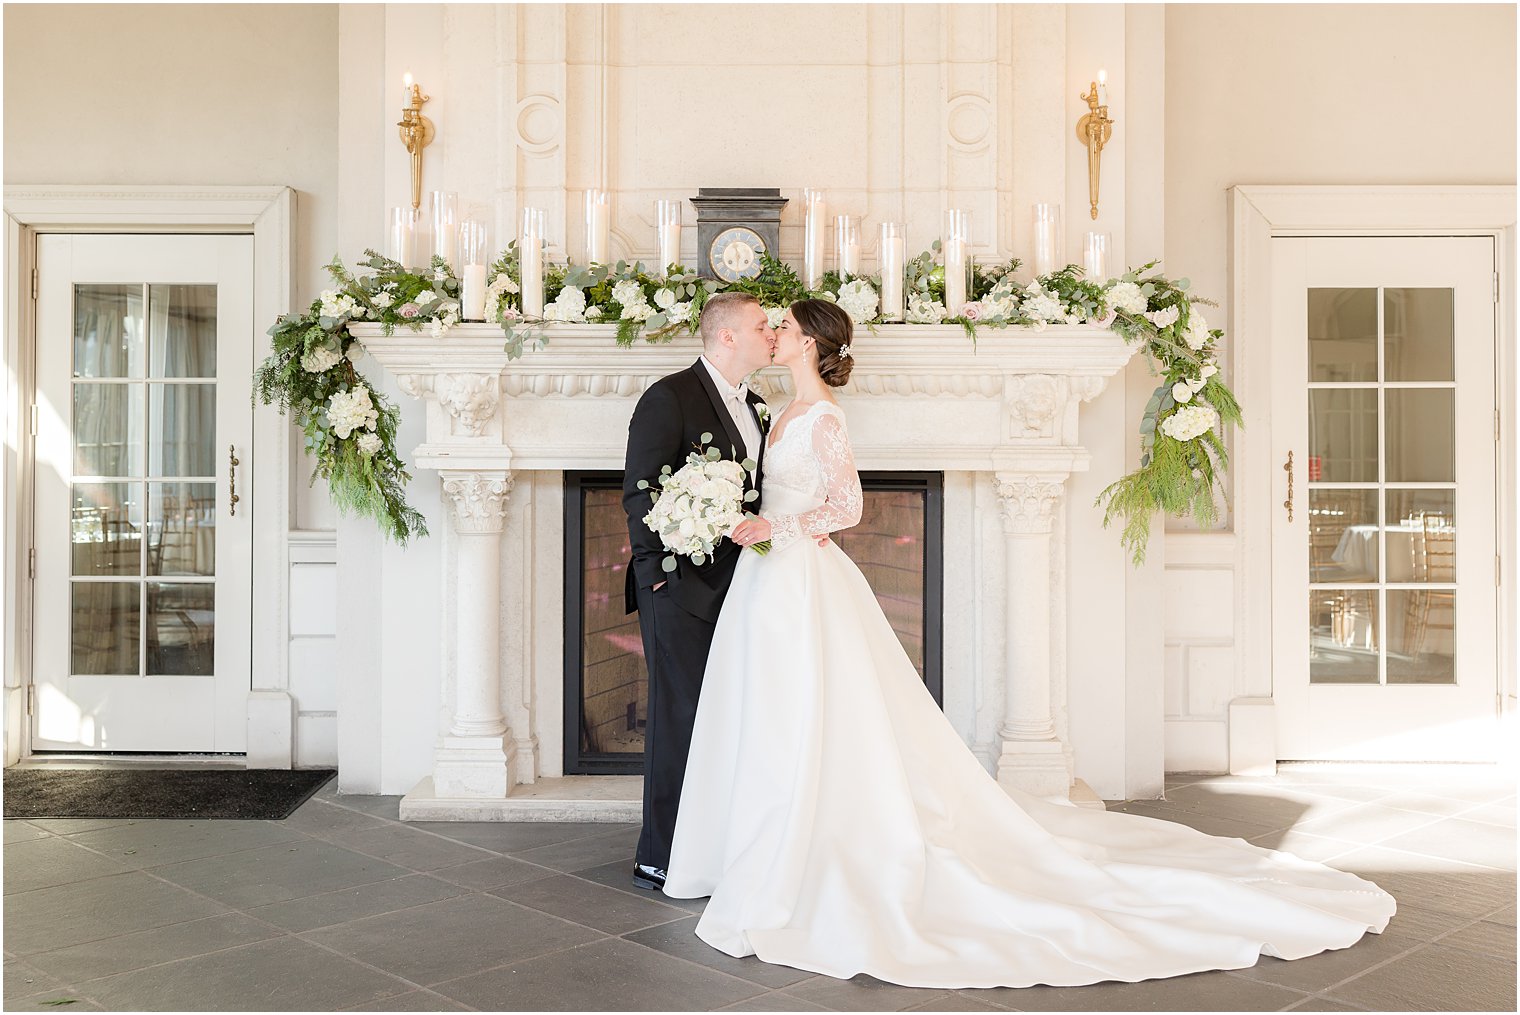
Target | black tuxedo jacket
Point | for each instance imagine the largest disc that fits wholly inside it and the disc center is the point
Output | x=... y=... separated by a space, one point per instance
x=667 y=425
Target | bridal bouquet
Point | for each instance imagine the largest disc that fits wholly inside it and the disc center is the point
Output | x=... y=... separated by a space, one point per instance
x=698 y=504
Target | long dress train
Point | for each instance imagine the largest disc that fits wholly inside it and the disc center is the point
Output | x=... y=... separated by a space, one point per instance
x=840 y=825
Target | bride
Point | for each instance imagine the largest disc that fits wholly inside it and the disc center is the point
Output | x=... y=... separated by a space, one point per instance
x=840 y=825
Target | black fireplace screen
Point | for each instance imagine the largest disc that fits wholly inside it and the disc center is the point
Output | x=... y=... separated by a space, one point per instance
x=897 y=546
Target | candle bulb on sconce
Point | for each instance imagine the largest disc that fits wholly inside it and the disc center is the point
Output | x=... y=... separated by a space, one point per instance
x=416 y=133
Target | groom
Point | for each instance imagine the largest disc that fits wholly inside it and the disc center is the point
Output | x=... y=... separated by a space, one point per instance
x=678 y=610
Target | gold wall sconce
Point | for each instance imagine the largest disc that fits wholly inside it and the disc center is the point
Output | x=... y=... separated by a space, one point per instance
x=1094 y=130
x=416 y=133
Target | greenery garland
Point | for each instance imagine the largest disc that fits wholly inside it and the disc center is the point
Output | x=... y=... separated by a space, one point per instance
x=351 y=431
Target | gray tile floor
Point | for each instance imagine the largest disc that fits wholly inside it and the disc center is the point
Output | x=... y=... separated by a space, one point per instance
x=342 y=906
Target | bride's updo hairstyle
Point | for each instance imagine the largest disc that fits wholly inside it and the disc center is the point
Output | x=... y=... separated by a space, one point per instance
x=832 y=329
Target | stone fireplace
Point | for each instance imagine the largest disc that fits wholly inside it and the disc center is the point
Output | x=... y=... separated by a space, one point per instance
x=998 y=418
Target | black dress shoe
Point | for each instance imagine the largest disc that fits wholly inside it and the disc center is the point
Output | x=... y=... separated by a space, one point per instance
x=647 y=877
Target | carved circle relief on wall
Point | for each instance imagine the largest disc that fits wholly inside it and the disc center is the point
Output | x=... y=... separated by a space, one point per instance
x=539 y=124
x=968 y=121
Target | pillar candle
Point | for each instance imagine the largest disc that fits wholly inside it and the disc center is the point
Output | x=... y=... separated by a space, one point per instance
x=892 y=261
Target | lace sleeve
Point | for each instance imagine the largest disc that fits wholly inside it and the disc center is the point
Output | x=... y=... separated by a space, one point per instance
x=843 y=499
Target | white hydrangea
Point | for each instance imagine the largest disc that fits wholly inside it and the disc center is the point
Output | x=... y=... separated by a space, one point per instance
x=321 y=359
x=773 y=316
x=443 y=322
x=369 y=442
x=859 y=300
x=351 y=410
x=1164 y=318
x=336 y=304
x=628 y=292
x=679 y=313
x=569 y=306
x=639 y=311
x=1126 y=296
x=1197 y=333
x=922 y=310
x=1040 y=304
x=1190 y=422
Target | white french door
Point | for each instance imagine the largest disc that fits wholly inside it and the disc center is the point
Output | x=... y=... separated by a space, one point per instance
x=1385 y=609
x=144 y=436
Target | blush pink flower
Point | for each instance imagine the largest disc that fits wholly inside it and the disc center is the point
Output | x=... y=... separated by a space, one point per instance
x=409 y=310
x=972 y=311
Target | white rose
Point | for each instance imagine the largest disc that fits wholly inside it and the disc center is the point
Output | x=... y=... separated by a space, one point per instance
x=355 y=352
x=1195 y=384
x=382 y=299
x=368 y=442
x=1181 y=392
x=664 y=299
x=1209 y=370
x=592 y=313
x=425 y=297
x=773 y=316
x=1164 y=318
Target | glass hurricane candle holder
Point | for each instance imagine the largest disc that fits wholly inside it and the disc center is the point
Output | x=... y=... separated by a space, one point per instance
x=530 y=249
x=893 y=263
x=474 y=255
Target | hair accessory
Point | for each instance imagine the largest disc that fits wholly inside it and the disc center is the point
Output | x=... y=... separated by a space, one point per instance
x=844 y=351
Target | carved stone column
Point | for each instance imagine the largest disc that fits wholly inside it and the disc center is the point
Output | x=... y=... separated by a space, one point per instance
x=475 y=758
x=1033 y=758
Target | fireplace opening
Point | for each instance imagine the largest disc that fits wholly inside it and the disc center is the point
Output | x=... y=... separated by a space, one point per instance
x=898 y=546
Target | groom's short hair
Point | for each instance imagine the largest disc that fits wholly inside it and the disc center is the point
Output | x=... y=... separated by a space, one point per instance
x=721 y=311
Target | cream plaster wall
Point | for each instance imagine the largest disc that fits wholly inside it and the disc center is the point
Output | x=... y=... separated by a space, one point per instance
x=1302 y=94
x=196 y=94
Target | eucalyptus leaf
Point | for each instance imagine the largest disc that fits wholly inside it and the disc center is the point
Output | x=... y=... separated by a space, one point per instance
x=706 y=438
x=668 y=564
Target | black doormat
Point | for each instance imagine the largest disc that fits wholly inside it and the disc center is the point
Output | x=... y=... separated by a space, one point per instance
x=261 y=793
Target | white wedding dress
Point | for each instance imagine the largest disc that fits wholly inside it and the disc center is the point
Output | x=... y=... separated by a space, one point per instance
x=841 y=826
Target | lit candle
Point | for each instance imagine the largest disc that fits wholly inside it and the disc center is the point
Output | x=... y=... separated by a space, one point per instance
x=1102 y=87
x=406 y=89
x=892 y=264
x=1095 y=253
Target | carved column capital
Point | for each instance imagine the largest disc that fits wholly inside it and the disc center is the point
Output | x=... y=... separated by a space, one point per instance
x=479 y=499
x=1028 y=502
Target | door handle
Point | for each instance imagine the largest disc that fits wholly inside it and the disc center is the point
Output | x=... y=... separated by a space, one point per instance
x=1288 y=468
x=232 y=464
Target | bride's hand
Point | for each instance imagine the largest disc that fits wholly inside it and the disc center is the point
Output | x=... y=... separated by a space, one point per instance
x=751 y=531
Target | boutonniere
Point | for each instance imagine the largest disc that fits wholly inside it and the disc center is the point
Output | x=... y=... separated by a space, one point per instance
x=764 y=412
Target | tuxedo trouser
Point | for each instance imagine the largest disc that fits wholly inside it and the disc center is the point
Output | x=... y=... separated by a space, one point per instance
x=675 y=654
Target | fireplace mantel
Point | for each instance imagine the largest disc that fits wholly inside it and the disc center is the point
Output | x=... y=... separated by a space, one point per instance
x=920 y=398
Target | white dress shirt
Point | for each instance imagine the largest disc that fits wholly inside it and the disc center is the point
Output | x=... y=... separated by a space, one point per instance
x=736 y=398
